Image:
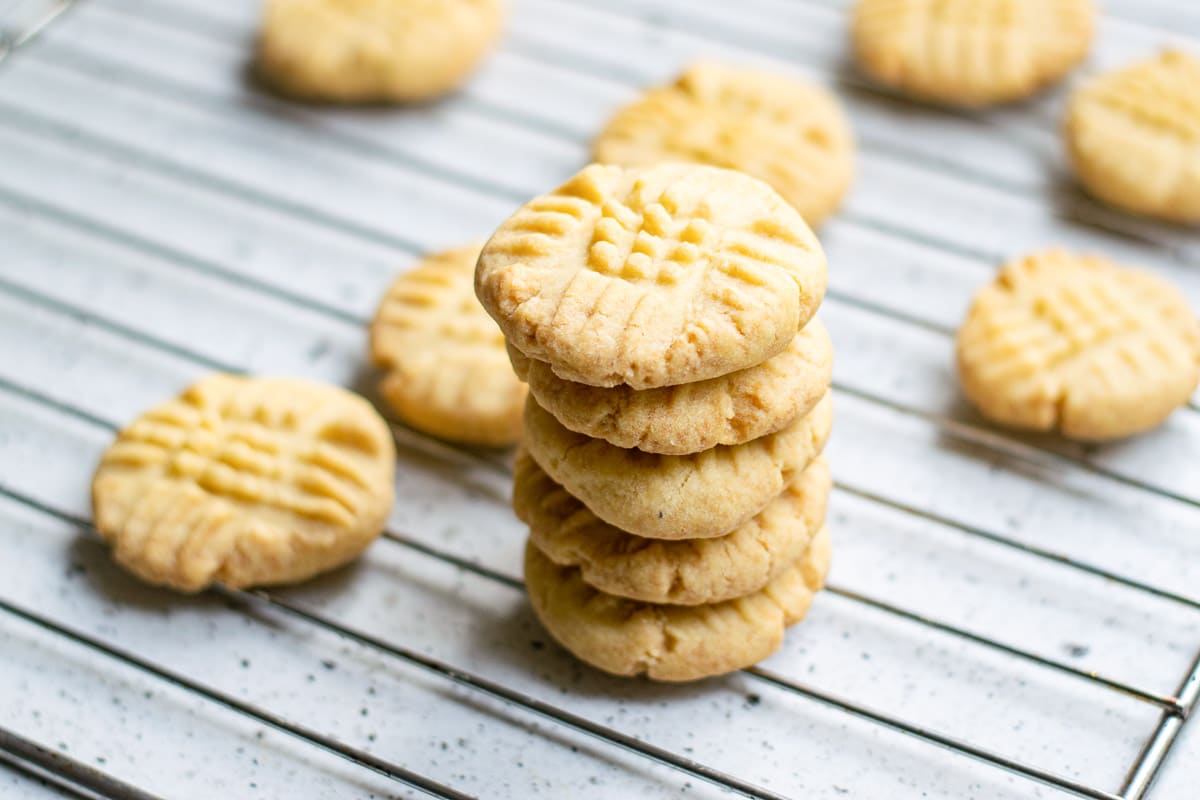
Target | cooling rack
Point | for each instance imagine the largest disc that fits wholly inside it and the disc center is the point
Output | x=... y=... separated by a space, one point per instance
x=1008 y=616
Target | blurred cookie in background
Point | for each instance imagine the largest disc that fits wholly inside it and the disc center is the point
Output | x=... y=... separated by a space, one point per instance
x=971 y=52
x=1134 y=137
x=374 y=51
x=447 y=372
x=1078 y=344
x=791 y=134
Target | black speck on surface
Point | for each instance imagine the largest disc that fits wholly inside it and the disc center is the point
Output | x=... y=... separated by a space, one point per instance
x=660 y=515
x=753 y=699
x=536 y=644
x=318 y=349
x=329 y=665
x=245 y=663
x=1076 y=650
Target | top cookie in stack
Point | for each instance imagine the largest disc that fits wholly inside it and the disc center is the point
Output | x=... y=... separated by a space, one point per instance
x=663 y=319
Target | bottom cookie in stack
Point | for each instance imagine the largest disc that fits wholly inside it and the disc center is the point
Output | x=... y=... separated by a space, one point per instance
x=675 y=610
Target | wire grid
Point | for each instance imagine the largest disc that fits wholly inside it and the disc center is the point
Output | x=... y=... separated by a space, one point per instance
x=1175 y=706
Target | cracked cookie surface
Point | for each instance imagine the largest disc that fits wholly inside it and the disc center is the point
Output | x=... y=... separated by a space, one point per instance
x=791 y=134
x=971 y=52
x=691 y=417
x=672 y=642
x=360 y=51
x=695 y=496
x=447 y=372
x=245 y=482
x=652 y=276
x=1134 y=137
x=1078 y=344
x=681 y=572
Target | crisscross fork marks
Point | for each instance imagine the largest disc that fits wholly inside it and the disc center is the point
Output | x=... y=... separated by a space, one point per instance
x=438 y=298
x=972 y=13
x=745 y=255
x=1080 y=344
x=245 y=481
x=739 y=116
x=771 y=126
x=971 y=52
x=1162 y=94
x=1081 y=318
x=534 y=229
x=640 y=241
x=242 y=461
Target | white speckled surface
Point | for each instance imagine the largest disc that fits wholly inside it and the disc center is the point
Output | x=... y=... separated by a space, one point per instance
x=160 y=218
x=19 y=786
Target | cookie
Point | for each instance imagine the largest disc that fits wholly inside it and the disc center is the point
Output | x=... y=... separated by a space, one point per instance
x=681 y=572
x=1134 y=137
x=362 y=51
x=790 y=134
x=652 y=276
x=690 y=417
x=245 y=482
x=676 y=497
x=672 y=642
x=447 y=372
x=1078 y=344
x=971 y=52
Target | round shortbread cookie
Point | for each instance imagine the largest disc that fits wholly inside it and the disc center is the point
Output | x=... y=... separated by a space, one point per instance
x=1134 y=137
x=1078 y=344
x=672 y=642
x=971 y=52
x=790 y=134
x=682 y=572
x=651 y=277
x=447 y=370
x=358 y=51
x=676 y=497
x=245 y=482
x=691 y=417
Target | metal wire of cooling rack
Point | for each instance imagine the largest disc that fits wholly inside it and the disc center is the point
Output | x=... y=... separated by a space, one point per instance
x=31 y=26
x=1175 y=707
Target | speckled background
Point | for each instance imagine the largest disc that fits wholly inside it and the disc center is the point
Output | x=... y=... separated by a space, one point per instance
x=159 y=219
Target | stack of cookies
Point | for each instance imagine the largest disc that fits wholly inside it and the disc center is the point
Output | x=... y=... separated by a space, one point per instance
x=671 y=473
